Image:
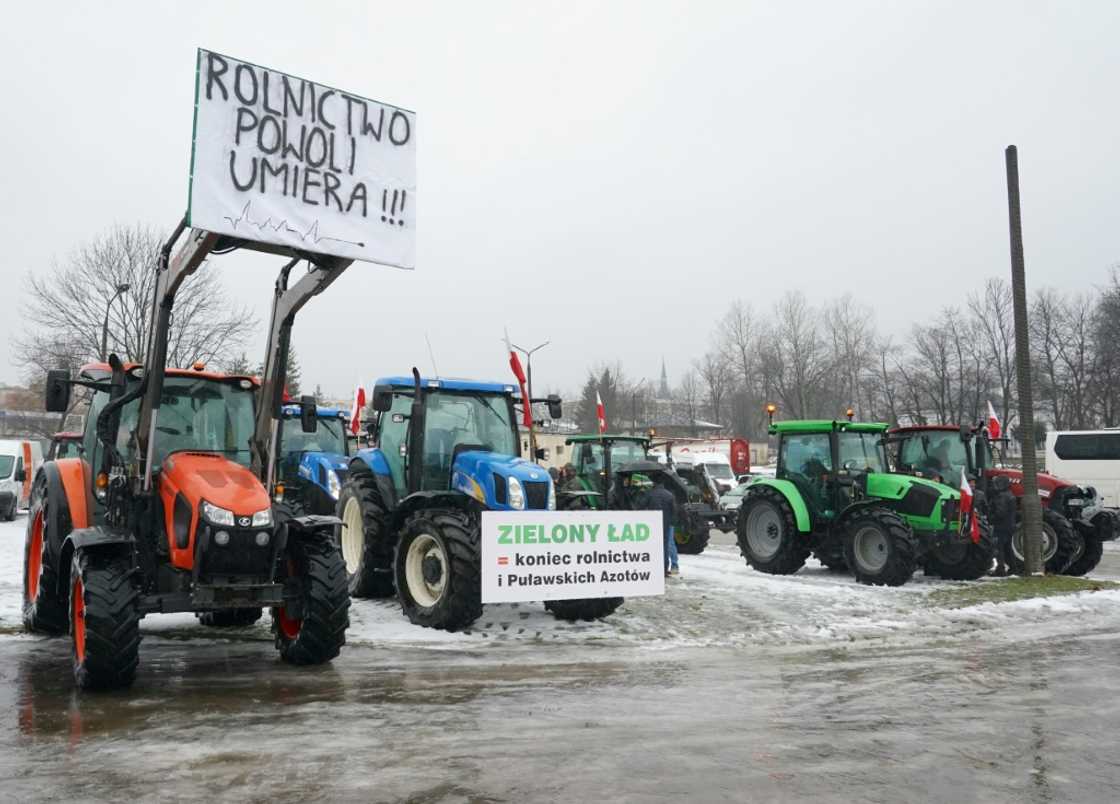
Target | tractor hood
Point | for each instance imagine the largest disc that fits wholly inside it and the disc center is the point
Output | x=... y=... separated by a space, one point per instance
x=311 y=463
x=927 y=504
x=207 y=476
x=1047 y=484
x=485 y=476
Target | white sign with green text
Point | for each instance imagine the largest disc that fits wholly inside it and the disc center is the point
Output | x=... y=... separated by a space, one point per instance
x=561 y=555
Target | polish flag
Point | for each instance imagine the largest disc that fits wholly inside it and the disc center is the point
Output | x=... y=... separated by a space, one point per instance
x=600 y=413
x=519 y=373
x=993 y=423
x=356 y=410
x=966 y=509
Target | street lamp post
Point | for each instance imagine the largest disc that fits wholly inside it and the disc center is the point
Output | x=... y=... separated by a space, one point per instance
x=529 y=379
x=121 y=288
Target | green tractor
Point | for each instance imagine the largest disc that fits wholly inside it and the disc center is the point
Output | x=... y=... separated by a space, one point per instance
x=834 y=497
x=599 y=457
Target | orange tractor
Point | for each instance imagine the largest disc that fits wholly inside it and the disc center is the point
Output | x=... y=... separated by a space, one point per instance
x=172 y=505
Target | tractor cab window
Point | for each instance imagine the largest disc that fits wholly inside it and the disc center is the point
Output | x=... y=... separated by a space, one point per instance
x=589 y=459
x=67 y=448
x=806 y=460
x=623 y=452
x=935 y=455
x=861 y=452
x=204 y=415
x=330 y=436
x=463 y=420
x=392 y=437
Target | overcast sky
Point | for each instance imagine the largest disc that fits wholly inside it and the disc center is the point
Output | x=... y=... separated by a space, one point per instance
x=607 y=178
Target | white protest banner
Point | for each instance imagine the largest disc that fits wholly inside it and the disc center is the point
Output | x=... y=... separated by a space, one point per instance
x=561 y=555
x=282 y=160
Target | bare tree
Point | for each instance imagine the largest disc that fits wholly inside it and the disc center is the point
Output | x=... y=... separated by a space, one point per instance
x=991 y=310
x=66 y=307
x=717 y=377
x=796 y=359
x=688 y=398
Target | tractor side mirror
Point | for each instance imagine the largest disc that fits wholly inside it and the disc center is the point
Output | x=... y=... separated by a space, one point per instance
x=541 y=454
x=21 y=473
x=555 y=409
x=382 y=398
x=308 y=414
x=57 y=391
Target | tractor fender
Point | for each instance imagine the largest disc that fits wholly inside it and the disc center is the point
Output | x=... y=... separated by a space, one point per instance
x=373 y=462
x=432 y=499
x=93 y=538
x=793 y=497
x=841 y=521
x=68 y=506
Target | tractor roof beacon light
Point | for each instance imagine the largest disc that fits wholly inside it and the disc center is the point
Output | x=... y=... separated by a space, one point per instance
x=849 y=413
x=771 y=409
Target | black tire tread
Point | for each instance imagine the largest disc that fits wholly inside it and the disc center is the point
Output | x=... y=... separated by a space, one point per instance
x=589 y=608
x=976 y=563
x=374 y=577
x=792 y=556
x=1088 y=560
x=326 y=615
x=46 y=614
x=904 y=546
x=112 y=651
x=461 y=604
x=698 y=539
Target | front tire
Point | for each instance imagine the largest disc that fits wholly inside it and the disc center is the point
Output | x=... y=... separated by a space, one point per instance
x=767 y=533
x=438 y=569
x=1060 y=544
x=880 y=547
x=692 y=536
x=44 y=608
x=591 y=608
x=963 y=562
x=1089 y=558
x=316 y=631
x=104 y=620
x=363 y=537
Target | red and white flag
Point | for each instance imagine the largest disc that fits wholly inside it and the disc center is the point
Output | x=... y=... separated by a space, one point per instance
x=993 y=423
x=356 y=410
x=966 y=509
x=600 y=413
x=519 y=373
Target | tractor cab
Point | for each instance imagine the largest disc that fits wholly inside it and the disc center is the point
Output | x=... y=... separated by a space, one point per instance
x=313 y=463
x=940 y=452
x=65 y=445
x=595 y=459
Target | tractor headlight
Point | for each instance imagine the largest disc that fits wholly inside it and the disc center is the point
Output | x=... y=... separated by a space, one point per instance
x=551 y=496
x=263 y=518
x=216 y=515
x=516 y=494
x=333 y=486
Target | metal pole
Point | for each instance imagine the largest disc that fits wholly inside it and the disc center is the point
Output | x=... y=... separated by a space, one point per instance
x=1032 y=508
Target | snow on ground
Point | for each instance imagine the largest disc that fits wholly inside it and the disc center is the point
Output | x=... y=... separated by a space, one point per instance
x=717 y=601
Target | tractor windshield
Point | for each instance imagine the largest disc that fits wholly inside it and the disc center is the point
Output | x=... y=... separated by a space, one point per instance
x=589 y=456
x=861 y=452
x=330 y=436
x=454 y=420
x=935 y=454
x=204 y=415
x=720 y=471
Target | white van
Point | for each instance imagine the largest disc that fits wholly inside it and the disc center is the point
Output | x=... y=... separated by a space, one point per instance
x=1087 y=458
x=717 y=465
x=19 y=460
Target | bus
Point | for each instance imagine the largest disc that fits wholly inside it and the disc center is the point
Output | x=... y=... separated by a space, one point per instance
x=1087 y=458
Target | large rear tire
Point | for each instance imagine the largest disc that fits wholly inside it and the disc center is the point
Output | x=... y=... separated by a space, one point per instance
x=229 y=618
x=880 y=547
x=44 y=607
x=1061 y=544
x=963 y=562
x=438 y=569
x=364 y=538
x=317 y=631
x=692 y=535
x=104 y=620
x=767 y=533
x=591 y=608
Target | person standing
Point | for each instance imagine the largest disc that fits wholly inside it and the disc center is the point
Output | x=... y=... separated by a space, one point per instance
x=661 y=499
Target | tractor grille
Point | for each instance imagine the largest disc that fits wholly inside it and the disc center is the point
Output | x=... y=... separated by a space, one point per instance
x=241 y=557
x=536 y=495
x=918 y=501
x=501 y=491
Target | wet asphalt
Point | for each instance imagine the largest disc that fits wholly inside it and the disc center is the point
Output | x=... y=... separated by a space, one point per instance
x=218 y=717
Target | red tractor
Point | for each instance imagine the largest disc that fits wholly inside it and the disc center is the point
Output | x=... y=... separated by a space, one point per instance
x=1075 y=524
x=170 y=507
x=65 y=445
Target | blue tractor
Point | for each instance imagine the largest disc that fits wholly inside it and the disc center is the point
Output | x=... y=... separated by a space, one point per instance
x=447 y=450
x=313 y=465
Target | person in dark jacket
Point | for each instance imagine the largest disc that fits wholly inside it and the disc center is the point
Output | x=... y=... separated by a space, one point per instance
x=661 y=499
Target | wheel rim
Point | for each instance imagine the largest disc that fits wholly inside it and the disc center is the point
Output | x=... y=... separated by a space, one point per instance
x=764 y=531
x=35 y=556
x=1049 y=544
x=289 y=626
x=682 y=536
x=353 y=537
x=425 y=570
x=78 y=619
x=872 y=549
